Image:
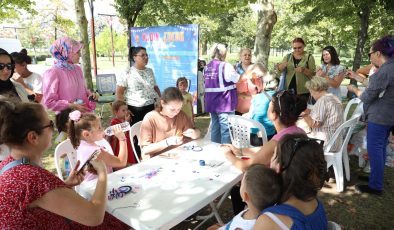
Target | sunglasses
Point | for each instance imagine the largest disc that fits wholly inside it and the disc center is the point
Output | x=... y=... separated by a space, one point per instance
x=369 y=54
x=9 y=66
x=298 y=142
x=51 y=125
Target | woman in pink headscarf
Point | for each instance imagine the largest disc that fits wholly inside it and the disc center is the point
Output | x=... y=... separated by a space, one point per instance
x=64 y=85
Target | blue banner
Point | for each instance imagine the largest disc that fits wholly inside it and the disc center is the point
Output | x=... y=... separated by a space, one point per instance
x=172 y=50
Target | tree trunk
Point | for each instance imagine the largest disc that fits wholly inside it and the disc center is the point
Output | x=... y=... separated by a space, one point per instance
x=265 y=24
x=362 y=35
x=83 y=28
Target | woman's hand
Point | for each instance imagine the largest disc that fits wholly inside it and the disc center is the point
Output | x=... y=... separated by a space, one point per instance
x=282 y=66
x=320 y=73
x=353 y=75
x=174 y=140
x=75 y=178
x=118 y=132
x=82 y=108
x=189 y=133
x=97 y=166
x=300 y=69
x=231 y=148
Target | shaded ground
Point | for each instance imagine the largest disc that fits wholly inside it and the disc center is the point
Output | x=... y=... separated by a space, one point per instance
x=350 y=210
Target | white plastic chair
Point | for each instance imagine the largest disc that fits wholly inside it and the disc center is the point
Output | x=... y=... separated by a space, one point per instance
x=64 y=147
x=357 y=111
x=240 y=129
x=135 y=131
x=336 y=158
x=331 y=225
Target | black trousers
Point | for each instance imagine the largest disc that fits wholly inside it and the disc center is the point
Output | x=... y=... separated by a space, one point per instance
x=139 y=114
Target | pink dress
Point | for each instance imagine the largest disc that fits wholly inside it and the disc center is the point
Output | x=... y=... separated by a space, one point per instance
x=289 y=130
x=84 y=151
x=23 y=184
x=61 y=87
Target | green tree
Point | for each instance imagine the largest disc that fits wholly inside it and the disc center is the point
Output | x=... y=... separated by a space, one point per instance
x=11 y=8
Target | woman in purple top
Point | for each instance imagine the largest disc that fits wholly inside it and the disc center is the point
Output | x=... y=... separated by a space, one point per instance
x=64 y=85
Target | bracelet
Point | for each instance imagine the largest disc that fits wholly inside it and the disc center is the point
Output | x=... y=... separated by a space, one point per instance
x=124 y=139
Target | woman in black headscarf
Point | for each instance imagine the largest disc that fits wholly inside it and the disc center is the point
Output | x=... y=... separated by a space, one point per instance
x=9 y=88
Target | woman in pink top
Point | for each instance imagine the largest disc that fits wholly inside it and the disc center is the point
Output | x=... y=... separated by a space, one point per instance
x=284 y=110
x=64 y=85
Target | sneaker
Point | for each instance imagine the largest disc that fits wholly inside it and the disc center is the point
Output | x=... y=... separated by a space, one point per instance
x=366 y=189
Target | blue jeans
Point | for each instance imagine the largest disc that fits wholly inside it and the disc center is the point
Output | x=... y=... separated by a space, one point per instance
x=377 y=136
x=219 y=128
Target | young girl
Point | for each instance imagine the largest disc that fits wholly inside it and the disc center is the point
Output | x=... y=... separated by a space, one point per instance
x=84 y=130
x=187 y=107
x=167 y=126
x=121 y=114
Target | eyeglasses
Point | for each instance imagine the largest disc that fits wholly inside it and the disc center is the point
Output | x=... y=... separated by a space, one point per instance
x=298 y=142
x=370 y=53
x=142 y=55
x=51 y=125
x=298 y=48
x=9 y=66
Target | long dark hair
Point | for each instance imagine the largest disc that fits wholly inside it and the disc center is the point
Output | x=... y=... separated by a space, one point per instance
x=303 y=166
x=334 y=55
x=290 y=107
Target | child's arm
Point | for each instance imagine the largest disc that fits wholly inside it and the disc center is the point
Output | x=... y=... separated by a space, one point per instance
x=120 y=160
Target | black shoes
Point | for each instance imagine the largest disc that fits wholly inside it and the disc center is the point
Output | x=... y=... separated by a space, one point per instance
x=363 y=178
x=366 y=189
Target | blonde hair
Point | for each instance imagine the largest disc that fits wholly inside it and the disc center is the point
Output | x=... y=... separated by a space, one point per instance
x=218 y=51
x=317 y=84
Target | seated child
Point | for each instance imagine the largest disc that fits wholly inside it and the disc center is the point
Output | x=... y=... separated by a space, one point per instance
x=121 y=114
x=84 y=130
x=61 y=121
x=260 y=188
x=187 y=107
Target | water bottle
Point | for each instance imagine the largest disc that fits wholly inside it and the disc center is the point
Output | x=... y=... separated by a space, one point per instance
x=67 y=167
x=125 y=127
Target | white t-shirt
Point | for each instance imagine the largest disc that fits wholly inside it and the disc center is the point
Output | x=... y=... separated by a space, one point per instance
x=34 y=82
x=139 y=86
x=238 y=222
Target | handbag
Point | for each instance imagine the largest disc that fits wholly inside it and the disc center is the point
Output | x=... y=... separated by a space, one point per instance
x=282 y=78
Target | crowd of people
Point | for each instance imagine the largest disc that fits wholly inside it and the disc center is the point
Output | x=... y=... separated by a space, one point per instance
x=281 y=177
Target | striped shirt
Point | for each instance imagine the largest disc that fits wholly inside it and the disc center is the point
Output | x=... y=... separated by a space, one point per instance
x=328 y=111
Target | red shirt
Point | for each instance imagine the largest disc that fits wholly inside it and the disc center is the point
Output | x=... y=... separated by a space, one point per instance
x=115 y=143
x=23 y=184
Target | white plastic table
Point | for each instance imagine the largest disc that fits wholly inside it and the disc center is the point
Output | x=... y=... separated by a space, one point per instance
x=168 y=188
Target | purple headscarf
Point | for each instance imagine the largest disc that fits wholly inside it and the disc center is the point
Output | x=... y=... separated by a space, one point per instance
x=63 y=50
